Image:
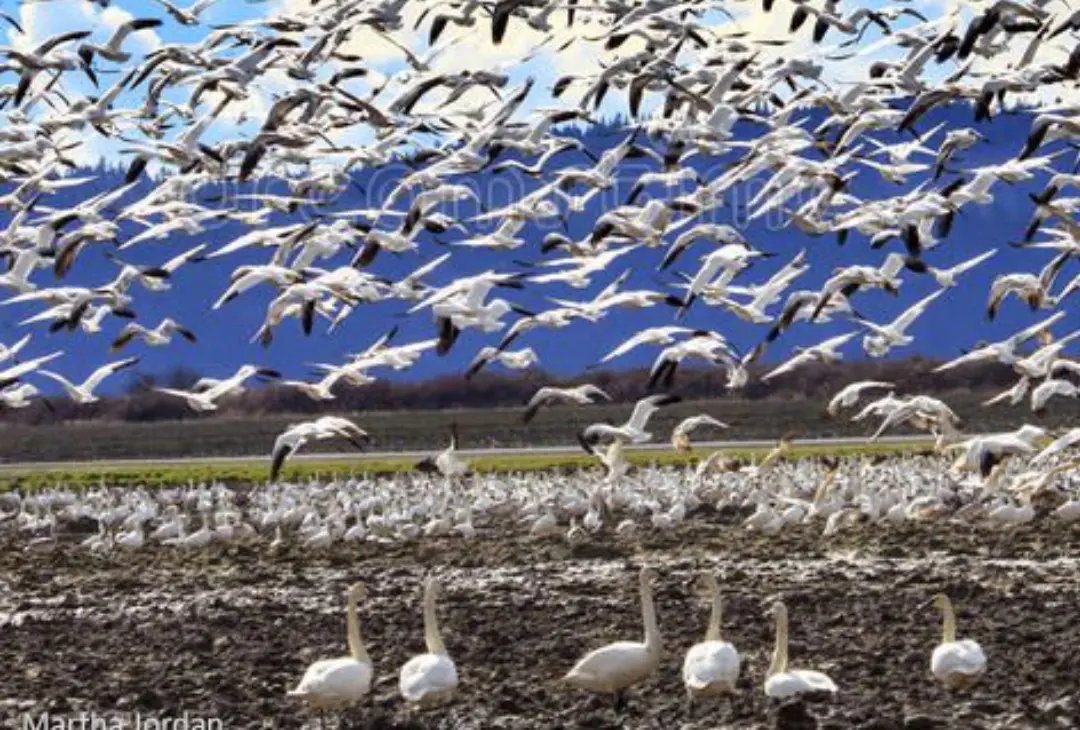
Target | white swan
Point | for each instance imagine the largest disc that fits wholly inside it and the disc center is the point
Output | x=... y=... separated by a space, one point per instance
x=958 y=664
x=615 y=667
x=335 y=684
x=783 y=682
x=431 y=678
x=711 y=667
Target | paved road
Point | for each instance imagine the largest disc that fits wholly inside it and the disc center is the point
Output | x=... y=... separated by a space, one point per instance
x=467 y=453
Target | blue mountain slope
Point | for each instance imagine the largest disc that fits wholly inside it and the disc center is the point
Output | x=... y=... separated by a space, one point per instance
x=956 y=320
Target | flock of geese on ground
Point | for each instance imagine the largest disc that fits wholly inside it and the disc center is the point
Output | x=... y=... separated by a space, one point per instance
x=296 y=99
x=710 y=669
x=774 y=496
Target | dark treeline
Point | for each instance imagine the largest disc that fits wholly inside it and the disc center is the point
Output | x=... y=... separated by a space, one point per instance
x=491 y=390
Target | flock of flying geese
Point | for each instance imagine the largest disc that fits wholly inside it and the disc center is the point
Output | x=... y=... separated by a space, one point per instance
x=691 y=74
x=710 y=669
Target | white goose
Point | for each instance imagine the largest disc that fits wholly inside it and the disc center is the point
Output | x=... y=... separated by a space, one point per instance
x=618 y=666
x=83 y=393
x=680 y=436
x=783 y=682
x=335 y=684
x=711 y=667
x=429 y=679
x=446 y=462
x=958 y=664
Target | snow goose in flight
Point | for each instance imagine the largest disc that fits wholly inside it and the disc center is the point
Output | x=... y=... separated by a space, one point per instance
x=423 y=203
x=401 y=357
x=84 y=392
x=824 y=352
x=297 y=435
x=162 y=283
x=23 y=264
x=1005 y=350
x=703 y=344
x=246 y=277
x=550 y=319
x=160 y=335
x=581 y=395
x=647 y=223
x=596 y=309
x=722 y=234
x=581 y=267
x=664 y=335
x=1042 y=362
x=879 y=408
x=726 y=261
x=1033 y=289
x=765 y=294
x=516 y=360
x=633 y=431
x=849 y=395
x=799 y=307
x=882 y=338
x=920 y=410
x=946 y=278
x=7 y=353
x=45 y=57
x=12 y=374
x=1070 y=439
x=205 y=393
x=189 y=15
x=112 y=50
x=454 y=315
x=1052 y=388
x=680 y=436
x=848 y=280
x=18 y=396
x=983 y=453
x=463 y=300
x=956 y=140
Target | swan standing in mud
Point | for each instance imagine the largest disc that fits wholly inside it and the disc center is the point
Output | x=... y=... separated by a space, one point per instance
x=957 y=664
x=711 y=667
x=336 y=684
x=618 y=666
x=783 y=682
x=429 y=679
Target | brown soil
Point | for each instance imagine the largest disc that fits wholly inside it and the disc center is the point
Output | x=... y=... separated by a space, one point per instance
x=226 y=633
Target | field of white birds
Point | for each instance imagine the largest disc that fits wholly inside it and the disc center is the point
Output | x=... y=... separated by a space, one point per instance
x=319 y=195
x=228 y=601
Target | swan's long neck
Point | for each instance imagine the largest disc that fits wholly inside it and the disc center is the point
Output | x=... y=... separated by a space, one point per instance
x=713 y=632
x=648 y=616
x=779 y=657
x=432 y=635
x=356 y=645
x=948 y=622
